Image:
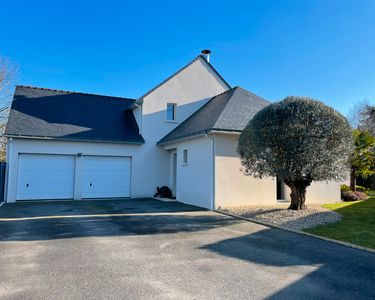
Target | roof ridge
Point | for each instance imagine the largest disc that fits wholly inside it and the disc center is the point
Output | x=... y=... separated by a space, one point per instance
x=70 y=92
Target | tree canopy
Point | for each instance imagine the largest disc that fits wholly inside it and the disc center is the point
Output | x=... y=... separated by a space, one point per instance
x=363 y=158
x=299 y=140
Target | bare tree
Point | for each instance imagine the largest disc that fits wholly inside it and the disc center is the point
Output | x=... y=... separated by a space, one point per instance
x=356 y=113
x=368 y=120
x=8 y=73
x=362 y=116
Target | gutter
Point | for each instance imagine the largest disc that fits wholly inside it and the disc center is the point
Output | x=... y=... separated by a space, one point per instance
x=199 y=134
x=226 y=132
x=174 y=141
x=70 y=140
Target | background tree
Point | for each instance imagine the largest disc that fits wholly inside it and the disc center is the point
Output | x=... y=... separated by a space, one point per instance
x=299 y=140
x=8 y=73
x=362 y=116
x=357 y=113
x=368 y=119
x=363 y=158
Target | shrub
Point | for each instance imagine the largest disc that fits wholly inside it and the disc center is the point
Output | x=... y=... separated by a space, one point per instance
x=361 y=189
x=353 y=196
x=368 y=182
x=344 y=188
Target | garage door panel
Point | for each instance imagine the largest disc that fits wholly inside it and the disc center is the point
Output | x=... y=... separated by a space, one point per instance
x=45 y=177
x=106 y=177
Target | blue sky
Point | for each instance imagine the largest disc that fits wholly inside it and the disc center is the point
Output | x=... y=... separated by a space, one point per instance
x=322 y=49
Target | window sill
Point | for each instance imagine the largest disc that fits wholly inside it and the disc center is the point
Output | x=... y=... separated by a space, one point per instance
x=185 y=164
x=171 y=121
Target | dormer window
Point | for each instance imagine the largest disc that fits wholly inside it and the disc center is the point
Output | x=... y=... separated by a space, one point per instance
x=171 y=112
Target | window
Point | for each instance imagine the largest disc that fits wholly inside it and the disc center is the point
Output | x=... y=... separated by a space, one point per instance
x=171 y=112
x=280 y=191
x=185 y=157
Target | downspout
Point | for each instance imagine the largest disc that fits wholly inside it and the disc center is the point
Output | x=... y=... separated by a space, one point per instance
x=213 y=171
x=7 y=166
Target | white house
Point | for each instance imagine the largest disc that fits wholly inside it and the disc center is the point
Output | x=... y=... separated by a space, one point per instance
x=182 y=134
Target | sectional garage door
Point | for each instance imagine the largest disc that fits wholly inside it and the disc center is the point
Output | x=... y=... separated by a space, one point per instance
x=45 y=176
x=105 y=176
x=55 y=176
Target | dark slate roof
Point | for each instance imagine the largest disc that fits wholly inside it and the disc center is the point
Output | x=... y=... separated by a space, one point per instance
x=229 y=111
x=54 y=114
x=183 y=68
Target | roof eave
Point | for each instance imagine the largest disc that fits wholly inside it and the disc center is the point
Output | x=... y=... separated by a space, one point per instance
x=73 y=140
x=199 y=133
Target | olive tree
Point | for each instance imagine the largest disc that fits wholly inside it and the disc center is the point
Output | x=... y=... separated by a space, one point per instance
x=299 y=140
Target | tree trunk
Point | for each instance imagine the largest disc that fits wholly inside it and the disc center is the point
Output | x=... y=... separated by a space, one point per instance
x=353 y=180
x=298 y=194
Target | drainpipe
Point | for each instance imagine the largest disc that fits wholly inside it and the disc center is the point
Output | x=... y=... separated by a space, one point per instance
x=213 y=171
x=8 y=164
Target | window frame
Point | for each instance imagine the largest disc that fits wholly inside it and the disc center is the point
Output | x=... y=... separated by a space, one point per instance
x=185 y=157
x=174 y=106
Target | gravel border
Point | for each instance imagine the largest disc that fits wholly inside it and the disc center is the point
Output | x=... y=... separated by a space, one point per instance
x=346 y=244
x=281 y=216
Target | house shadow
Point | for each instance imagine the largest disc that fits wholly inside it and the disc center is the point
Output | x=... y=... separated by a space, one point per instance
x=327 y=270
x=103 y=218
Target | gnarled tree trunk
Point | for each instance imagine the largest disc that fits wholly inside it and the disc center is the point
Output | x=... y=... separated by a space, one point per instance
x=298 y=194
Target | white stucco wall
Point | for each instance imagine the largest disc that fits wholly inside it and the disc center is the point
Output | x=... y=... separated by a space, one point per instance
x=232 y=187
x=195 y=179
x=320 y=193
x=189 y=89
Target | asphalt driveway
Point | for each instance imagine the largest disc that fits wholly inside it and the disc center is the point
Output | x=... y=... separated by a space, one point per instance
x=147 y=249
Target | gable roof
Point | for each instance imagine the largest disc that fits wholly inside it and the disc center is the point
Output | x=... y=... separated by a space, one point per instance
x=199 y=57
x=229 y=111
x=54 y=114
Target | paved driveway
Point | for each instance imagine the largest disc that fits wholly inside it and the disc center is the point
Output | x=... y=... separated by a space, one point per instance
x=152 y=250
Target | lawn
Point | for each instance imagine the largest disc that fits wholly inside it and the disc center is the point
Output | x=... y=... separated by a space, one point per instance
x=357 y=225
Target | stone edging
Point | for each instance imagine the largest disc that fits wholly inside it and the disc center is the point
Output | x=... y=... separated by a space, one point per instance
x=346 y=244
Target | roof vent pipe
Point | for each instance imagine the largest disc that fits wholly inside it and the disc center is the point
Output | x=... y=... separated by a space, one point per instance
x=206 y=53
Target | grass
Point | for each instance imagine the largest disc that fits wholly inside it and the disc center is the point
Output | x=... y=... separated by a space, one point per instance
x=357 y=225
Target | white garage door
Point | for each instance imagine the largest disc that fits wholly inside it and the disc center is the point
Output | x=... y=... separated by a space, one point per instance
x=45 y=176
x=105 y=176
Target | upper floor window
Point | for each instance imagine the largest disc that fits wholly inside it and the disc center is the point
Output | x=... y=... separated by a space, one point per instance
x=171 y=112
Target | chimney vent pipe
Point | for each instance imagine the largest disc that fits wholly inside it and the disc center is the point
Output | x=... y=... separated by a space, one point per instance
x=206 y=53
